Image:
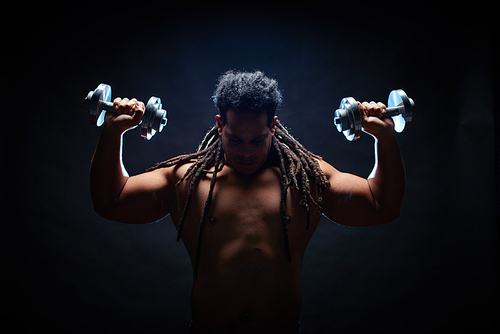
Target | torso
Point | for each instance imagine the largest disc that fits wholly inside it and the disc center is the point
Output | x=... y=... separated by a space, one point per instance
x=244 y=281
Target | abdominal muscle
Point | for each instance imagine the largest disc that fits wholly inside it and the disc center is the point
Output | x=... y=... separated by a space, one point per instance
x=250 y=287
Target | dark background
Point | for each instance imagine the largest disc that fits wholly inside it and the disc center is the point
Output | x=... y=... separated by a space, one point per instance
x=435 y=268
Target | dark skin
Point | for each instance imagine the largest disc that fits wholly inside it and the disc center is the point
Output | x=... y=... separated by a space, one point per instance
x=244 y=283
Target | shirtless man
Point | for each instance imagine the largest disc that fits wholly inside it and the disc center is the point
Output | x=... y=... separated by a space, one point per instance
x=248 y=258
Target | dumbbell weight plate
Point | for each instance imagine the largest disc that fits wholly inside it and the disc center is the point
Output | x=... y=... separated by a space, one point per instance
x=349 y=114
x=154 y=119
x=94 y=100
x=399 y=98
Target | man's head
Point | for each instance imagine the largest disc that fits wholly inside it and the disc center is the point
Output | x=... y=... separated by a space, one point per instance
x=247 y=103
x=247 y=92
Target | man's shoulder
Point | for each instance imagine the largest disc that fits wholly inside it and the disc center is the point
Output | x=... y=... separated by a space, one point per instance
x=325 y=166
x=171 y=169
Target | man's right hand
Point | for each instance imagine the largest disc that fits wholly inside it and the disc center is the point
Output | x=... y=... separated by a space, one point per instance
x=128 y=114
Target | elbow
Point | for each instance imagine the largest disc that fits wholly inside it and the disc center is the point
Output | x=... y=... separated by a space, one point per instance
x=387 y=215
x=99 y=210
x=393 y=215
x=103 y=210
x=379 y=217
x=388 y=211
x=101 y=203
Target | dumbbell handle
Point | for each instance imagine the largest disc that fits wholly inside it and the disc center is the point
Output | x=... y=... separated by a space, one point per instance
x=389 y=112
x=108 y=106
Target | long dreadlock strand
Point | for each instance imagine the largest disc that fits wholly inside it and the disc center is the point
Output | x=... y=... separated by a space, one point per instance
x=309 y=164
x=202 y=159
x=295 y=166
x=192 y=183
x=284 y=186
x=207 y=207
x=206 y=146
x=212 y=134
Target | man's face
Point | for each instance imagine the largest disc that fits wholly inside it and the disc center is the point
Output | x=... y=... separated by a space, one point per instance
x=246 y=140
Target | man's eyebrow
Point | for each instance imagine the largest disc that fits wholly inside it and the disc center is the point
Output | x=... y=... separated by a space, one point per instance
x=231 y=136
x=260 y=137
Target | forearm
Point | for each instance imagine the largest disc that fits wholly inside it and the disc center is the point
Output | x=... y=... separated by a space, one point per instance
x=388 y=179
x=107 y=173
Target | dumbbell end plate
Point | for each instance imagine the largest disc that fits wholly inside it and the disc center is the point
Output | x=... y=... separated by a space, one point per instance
x=398 y=98
x=347 y=119
x=94 y=102
x=154 y=119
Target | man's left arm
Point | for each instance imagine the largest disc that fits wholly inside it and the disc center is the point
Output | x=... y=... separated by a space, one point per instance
x=355 y=201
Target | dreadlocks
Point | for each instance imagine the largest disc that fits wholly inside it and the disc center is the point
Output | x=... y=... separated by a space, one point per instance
x=298 y=167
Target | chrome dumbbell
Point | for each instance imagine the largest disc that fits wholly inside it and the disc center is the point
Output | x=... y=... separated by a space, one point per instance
x=99 y=101
x=347 y=118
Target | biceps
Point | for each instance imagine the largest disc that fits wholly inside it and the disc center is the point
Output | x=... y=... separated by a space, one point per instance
x=349 y=201
x=144 y=198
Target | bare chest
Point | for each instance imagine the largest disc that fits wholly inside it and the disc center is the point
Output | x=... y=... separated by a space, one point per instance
x=240 y=208
x=244 y=213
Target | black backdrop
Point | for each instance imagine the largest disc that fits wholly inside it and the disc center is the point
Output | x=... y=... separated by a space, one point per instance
x=435 y=268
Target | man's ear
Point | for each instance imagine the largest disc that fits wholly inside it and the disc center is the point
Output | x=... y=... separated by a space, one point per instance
x=273 y=124
x=219 y=124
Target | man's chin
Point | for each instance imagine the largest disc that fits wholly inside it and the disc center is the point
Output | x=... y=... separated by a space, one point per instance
x=246 y=168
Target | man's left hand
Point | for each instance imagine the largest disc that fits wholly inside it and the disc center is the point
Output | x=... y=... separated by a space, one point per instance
x=371 y=117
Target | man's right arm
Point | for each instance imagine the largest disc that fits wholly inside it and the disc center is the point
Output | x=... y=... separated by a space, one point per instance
x=143 y=198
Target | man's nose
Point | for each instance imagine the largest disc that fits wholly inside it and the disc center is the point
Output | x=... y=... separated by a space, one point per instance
x=246 y=152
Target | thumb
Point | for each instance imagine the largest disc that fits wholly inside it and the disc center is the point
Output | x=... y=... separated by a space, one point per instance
x=362 y=110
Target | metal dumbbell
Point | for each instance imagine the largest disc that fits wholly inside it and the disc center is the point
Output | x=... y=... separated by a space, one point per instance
x=99 y=101
x=347 y=118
